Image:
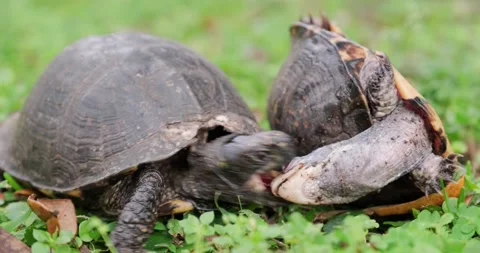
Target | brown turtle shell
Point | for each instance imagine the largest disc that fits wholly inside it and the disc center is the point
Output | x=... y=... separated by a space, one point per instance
x=109 y=103
x=311 y=101
x=351 y=54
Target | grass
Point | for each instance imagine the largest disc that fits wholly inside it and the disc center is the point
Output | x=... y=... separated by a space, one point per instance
x=433 y=43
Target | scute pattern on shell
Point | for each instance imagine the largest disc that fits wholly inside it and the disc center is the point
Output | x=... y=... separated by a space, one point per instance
x=353 y=55
x=306 y=79
x=108 y=103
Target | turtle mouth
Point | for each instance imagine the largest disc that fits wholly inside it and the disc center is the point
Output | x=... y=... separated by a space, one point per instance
x=262 y=181
x=279 y=183
x=290 y=185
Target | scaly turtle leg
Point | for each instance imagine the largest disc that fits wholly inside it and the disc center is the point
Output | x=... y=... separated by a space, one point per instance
x=137 y=199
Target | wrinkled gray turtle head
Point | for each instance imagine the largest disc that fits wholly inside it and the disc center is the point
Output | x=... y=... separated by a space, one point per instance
x=239 y=167
x=377 y=77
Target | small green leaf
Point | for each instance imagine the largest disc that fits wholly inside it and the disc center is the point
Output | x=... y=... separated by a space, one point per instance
x=9 y=196
x=159 y=227
x=12 y=182
x=32 y=217
x=473 y=245
x=112 y=225
x=209 y=230
x=40 y=247
x=190 y=238
x=87 y=230
x=78 y=242
x=207 y=218
x=174 y=227
x=425 y=216
x=463 y=230
x=450 y=205
x=415 y=213
x=446 y=218
x=12 y=225
x=4 y=185
x=159 y=240
x=16 y=210
x=64 y=249
x=223 y=241
x=394 y=223
x=219 y=229
x=190 y=224
x=64 y=237
x=28 y=236
x=41 y=236
x=467 y=228
x=335 y=222
x=84 y=231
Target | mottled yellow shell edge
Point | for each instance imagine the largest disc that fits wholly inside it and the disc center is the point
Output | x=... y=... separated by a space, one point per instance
x=407 y=92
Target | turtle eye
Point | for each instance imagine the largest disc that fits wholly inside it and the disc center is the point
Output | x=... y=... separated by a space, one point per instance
x=262 y=156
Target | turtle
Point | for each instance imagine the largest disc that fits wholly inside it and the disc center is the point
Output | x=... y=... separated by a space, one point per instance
x=136 y=126
x=360 y=126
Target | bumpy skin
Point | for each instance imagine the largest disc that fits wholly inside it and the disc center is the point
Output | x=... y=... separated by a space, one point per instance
x=230 y=166
x=378 y=77
x=345 y=171
x=138 y=216
x=125 y=118
x=235 y=165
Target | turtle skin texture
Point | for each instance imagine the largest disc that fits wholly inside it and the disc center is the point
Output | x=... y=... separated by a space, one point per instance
x=136 y=127
x=343 y=171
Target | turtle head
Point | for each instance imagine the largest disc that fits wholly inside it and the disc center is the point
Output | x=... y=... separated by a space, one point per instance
x=240 y=165
x=376 y=69
x=377 y=78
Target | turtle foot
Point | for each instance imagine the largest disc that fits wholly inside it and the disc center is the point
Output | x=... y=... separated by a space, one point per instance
x=433 y=171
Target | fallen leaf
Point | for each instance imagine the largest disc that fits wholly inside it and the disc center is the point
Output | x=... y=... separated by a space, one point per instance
x=23 y=193
x=11 y=244
x=436 y=199
x=468 y=199
x=57 y=213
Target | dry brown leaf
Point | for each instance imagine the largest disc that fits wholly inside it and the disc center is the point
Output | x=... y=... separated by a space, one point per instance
x=57 y=213
x=23 y=193
x=468 y=199
x=436 y=199
x=9 y=244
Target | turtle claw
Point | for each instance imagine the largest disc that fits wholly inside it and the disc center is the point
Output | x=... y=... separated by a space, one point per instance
x=434 y=170
x=432 y=189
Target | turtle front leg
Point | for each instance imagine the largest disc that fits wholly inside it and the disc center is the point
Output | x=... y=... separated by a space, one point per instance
x=432 y=170
x=137 y=200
